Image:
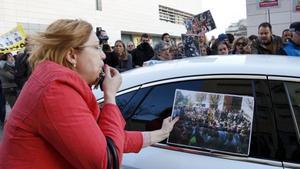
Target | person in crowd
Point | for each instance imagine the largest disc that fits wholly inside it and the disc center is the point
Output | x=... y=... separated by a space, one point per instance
x=203 y=44
x=230 y=40
x=124 y=59
x=166 y=37
x=292 y=47
x=173 y=52
x=212 y=41
x=130 y=47
x=221 y=38
x=180 y=51
x=252 y=38
x=267 y=43
x=286 y=35
x=223 y=48
x=9 y=87
x=162 y=53
x=2 y=106
x=22 y=67
x=203 y=51
x=56 y=121
x=106 y=49
x=242 y=46
x=143 y=52
x=103 y=37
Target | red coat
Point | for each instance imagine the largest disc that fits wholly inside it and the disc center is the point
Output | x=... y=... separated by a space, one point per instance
x=53 y=125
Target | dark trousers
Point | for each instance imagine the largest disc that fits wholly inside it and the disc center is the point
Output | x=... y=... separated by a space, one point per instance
x=2 y=105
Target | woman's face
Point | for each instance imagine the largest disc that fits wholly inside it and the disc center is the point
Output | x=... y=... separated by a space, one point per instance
x=89 y=61
x=240 y=44
x=222 y=49
x=119 y=48
x=203 y=51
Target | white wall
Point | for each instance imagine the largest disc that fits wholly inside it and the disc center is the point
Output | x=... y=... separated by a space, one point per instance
x=116 y=15
x=281 y=17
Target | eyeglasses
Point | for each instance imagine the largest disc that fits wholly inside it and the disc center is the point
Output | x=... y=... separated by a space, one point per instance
x=241 y=43
x=97 y=47
x=165 y=49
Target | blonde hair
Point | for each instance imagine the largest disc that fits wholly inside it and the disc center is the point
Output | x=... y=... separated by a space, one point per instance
x=57 y=40
x=124 y=54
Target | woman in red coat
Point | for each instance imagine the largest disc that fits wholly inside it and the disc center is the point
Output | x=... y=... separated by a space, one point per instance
x=54 y=123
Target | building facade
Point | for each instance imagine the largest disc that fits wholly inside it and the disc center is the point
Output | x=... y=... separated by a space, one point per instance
x=279 y=16
x=121 y=19
x=238 y=29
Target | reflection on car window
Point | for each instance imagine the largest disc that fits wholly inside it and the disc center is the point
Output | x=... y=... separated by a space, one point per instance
x=294 y=93
x=124 y=99
x=288 y=147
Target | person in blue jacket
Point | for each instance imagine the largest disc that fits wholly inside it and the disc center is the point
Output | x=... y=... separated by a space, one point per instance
x=292 y=48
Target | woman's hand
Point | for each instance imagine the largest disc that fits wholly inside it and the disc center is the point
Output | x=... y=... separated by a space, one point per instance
x=168 y=125
x=161 y=134
x=111 y=84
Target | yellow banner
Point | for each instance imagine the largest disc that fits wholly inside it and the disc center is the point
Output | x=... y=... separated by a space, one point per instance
x=13 y=41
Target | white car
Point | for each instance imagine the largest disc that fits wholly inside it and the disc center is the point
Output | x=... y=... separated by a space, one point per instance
x=147 y=96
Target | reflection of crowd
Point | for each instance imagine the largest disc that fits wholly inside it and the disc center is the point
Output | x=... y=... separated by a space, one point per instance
x=224 y=130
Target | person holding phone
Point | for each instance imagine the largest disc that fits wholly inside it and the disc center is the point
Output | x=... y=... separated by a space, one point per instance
x=56 y=121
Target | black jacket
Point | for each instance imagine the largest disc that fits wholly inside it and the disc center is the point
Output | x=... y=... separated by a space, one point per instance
x=258 y=48
x=142 y=53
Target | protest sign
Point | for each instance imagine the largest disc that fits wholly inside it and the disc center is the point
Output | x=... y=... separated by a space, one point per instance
x=200 y=23
x=191 y=45
x=13 y=41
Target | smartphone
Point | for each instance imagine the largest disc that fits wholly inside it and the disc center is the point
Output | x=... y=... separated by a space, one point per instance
x=100 y=80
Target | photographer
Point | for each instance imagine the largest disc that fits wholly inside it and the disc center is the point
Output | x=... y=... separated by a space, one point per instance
x=102 y=36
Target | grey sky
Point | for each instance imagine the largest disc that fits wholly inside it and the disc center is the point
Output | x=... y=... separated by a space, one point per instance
x=224 y=13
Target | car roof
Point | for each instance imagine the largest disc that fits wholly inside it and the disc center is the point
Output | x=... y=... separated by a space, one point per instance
x=270 y=65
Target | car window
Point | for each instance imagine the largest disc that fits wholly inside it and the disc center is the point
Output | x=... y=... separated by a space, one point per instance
x=158 y=103
x=289 y=149
x=123 y=100
x=130 y=101
x=294 y=93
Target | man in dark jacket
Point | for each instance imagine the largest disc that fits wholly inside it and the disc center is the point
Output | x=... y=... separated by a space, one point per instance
x=292 y=47
x=2 y=106
x=143 y=52
x=267 y=43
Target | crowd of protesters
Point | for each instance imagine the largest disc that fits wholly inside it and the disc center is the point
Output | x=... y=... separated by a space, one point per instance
x=265 y=42
x=14 y=70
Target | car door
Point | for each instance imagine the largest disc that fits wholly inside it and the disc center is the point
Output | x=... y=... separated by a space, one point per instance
x=154 y=101
x=286 y=102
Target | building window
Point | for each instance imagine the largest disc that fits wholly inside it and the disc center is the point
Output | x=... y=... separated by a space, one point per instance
x=173 y=15
x=99 y=5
